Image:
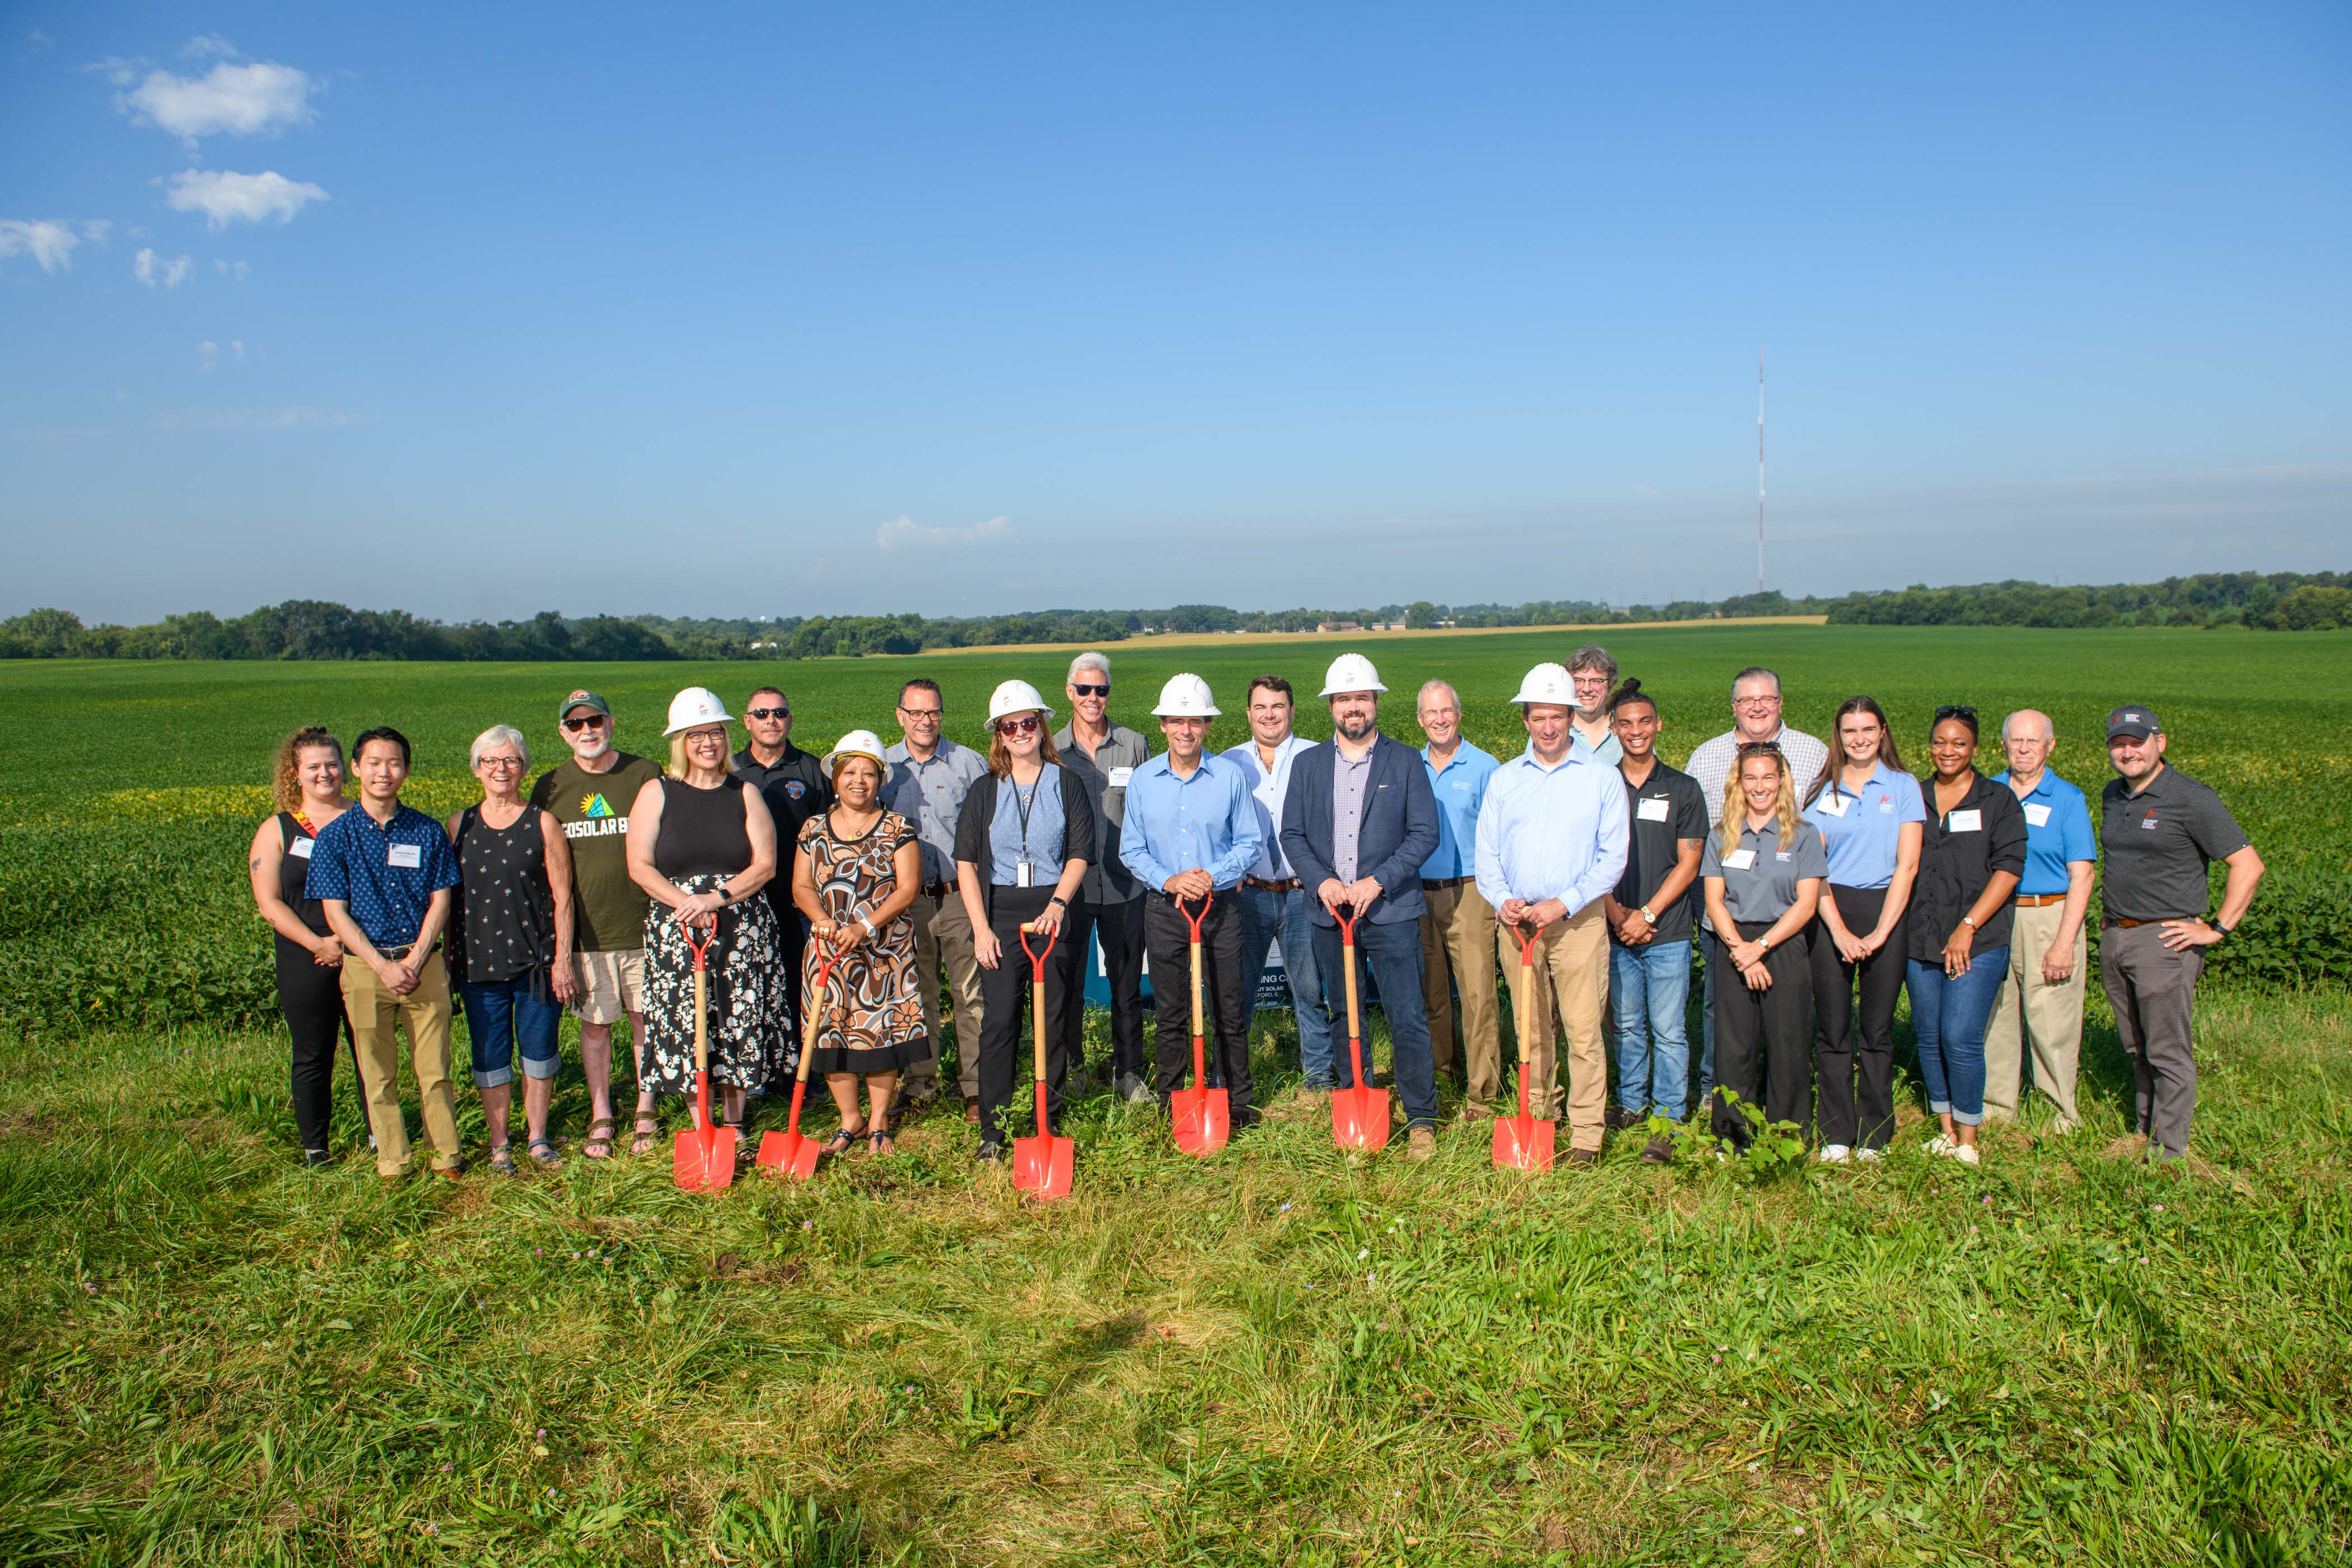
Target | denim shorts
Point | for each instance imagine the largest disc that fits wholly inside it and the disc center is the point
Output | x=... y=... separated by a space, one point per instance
x=499 y=1014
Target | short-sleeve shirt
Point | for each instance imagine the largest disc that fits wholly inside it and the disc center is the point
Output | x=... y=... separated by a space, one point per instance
x=929 y=793
x=1104 y=774
x=1460 y=787
x=1763 y=886
x=608 y=908
x=1962 y=851
x=1864 y=827
x=385 y=875
x=2158 y=845
x=2057 y=831
x=1665 y=809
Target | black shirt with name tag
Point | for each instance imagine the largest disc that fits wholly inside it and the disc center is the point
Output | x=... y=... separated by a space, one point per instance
x=2158 y=845
x=1965 y=846
x=1667 y=808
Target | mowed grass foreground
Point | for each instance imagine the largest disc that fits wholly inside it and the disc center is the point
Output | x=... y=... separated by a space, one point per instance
x=1283 y=1354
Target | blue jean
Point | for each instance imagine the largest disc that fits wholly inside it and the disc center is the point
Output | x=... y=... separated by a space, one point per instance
x=499 y=1014
x=1268 y=917
x=1393 y=952
x=1648 y=989
x=1949 y=1015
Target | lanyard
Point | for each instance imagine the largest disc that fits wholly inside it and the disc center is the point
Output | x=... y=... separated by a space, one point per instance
x=1020 y=809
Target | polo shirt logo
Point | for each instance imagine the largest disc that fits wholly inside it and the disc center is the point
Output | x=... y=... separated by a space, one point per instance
x=1781 y=854
x=2148 y=821
x=796 y=788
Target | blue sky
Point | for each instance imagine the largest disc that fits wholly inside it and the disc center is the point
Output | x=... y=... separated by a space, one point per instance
x=769 y=309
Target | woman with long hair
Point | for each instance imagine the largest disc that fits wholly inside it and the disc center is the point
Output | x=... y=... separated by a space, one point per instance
x=305 y=783
x=1867 y=810
x=1763 y=868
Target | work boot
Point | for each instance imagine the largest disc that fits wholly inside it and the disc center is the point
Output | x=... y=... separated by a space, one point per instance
x=1659 y=1151
x=1420 y=1144
x=1584 y=1159
x=1618 y=1119
x=972 y=1111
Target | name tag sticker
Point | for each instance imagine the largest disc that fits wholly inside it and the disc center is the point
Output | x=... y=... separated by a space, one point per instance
x=300 y=848
x=1966 y=822
x=1831 y=806
x=2037 y=816
x=1118 y=777
x=1740 y=860
x=1652 y=810
x=410 y=857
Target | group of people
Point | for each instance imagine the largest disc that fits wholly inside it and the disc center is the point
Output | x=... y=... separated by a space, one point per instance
x=843 y=905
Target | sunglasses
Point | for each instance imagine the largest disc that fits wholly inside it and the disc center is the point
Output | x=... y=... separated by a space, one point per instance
x=767 y=712
x=1759 y=748
x=1102 y=690
x=1959 y=711
x=1026 y=726
x=594 y=721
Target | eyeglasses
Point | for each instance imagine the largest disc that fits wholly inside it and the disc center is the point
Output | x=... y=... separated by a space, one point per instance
x=706 y=737
x=502 y=764
x=931 y=713
x=1028 y=724
x=1102 y=690
x=1771 y=701
x=594 y=721
x=1959 y=711
x=767 y=712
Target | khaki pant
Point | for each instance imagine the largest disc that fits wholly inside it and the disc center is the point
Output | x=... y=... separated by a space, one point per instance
x=1571 y=982
x=1457 y=941
x=943 y=935
x=377 y=1017
x=2051 y=1015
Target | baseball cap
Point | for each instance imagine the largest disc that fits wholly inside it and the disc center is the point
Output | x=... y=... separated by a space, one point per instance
x=2139 y=723
x=585 y=699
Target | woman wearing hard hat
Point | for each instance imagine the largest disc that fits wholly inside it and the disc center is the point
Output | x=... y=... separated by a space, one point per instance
x=1023 y=845
x=700 y=844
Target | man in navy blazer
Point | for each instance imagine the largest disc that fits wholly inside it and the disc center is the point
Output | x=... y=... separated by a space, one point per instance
x=1356 y=824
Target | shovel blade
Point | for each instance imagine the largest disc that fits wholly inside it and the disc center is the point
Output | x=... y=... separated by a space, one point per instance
x=1523 y=1144
x=1201 y=1119
x=790 y=1155
x=690 y=1159
x=1359 y=1118
x=1044 y=1167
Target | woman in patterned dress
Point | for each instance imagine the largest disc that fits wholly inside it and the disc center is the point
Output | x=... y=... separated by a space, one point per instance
x=855 y=877
x=700 y=844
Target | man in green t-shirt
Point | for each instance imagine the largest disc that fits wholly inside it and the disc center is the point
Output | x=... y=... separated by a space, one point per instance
x=590 y=794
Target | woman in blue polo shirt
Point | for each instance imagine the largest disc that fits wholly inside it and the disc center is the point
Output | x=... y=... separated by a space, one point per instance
x=1869 y=812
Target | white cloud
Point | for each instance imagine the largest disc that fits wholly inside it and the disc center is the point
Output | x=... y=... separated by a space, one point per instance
x=207 y=354
x=95 y=230
x=257 y=100
x=905 y=534
x=234 y=270
x=205 y=45
x=224 y=198
x=49 y=241
x=237 y=346
x=150 y=269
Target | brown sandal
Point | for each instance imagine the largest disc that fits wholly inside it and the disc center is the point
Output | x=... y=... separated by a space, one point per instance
x=598 y=1145
x=646 y=1133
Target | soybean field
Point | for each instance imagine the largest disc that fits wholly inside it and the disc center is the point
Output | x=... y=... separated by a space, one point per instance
x=1283 y=1354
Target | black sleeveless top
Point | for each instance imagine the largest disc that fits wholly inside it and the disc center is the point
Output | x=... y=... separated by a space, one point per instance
x=293 y=885
x=505 y=907
x=702 y=830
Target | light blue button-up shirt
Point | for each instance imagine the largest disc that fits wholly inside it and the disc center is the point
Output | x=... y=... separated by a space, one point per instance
x=1460 y=786
x=1268 y=790
x=2057 y=831
x=1552 y=833
x=1207 y=821
x=1864 y=827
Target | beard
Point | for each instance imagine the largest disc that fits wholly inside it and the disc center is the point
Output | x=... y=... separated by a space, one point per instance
x=1356 y=726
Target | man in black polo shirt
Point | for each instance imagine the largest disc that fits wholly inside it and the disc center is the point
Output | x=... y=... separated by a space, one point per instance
x=793 y=785
x=2158 y=831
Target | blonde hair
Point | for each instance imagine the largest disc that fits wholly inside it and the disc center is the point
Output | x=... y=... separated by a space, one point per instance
x=285 y=767
x=1735 y=799
x=499 y=735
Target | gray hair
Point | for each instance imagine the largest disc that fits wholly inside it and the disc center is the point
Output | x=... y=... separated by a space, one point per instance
x=2049 y=729
x=1437 y=685
x=499 y=735
x=1090 y=660
x=1592 y=656
x=1755 y=672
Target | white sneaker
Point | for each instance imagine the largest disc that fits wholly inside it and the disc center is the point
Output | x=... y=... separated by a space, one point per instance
x=1966 y=1153
x=1869 y=1155
x=1834 y=1154
x=1938 y=1144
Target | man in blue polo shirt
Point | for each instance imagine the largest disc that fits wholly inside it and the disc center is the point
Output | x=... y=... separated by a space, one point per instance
x=2048 y=952
x=1457 y=923
x=384 y=874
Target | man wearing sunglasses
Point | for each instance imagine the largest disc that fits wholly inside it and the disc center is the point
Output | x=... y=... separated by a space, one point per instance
x=589 y=794
x=1103 y=756
x=792 y=783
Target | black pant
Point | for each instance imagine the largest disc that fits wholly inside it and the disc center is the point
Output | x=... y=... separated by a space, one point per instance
x=1226 y=993
x=1762 y=1034
x=1839 y=1036
x=1003 y=990
x=311 y=996
x=791 y=944
x=1119 y=927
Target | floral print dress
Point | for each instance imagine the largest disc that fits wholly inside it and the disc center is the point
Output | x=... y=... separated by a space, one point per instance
x=750 y=1026
x=870 y=1015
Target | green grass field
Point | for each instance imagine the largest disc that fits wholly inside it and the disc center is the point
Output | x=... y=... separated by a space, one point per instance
x=1282 y=1355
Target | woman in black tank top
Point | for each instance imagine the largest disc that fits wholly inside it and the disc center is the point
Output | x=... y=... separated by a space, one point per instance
x=700 y=844
x=307 y=781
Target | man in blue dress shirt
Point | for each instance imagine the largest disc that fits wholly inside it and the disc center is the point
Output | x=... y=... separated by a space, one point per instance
x=1457 y=923
x=2049 y=972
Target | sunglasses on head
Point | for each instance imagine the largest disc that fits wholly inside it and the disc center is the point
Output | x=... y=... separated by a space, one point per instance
x=1759 y=748
x=1101 y=690
x=1959 y=711
x=1027 y=725
x=594 y=721
x=767 y=712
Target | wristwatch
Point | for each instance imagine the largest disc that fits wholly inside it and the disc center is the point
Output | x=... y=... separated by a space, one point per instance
x=2220 y=930
x=1647 y=916
x=1970 y=921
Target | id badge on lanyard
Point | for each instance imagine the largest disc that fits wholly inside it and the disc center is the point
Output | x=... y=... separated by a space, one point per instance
x=1024 y=875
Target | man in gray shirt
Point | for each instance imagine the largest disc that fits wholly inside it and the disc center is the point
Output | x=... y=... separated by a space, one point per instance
x=930 y=776
x=1109 y=906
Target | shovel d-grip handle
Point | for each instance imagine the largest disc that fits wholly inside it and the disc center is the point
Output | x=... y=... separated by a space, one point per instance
x=709 y=934
x=1185 y=908
x=1037 y=959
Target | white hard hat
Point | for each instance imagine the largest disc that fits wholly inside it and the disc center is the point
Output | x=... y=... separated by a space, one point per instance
x=1186 y=697
x=695 y=707
x=1350 y=672
x=857 y=743
x=1547 y=683
x=1015 y=697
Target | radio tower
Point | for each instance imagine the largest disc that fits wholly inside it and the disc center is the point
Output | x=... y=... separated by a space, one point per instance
x=1759 y=467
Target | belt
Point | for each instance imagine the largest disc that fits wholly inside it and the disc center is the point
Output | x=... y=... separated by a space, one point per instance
x=1431 y=884
x=403 y=951
x=2111 y=920
x=1271 y=884
x=2044 y=900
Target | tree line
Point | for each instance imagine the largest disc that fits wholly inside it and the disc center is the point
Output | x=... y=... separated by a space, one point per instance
x=317 y=629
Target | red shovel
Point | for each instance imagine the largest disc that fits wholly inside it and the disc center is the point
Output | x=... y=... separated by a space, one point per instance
x=704 y=1155
x=791 y=1153
x=1359 y=1116
x=1041 y=1164
x=1522 y=1142
x=1202 y=1116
